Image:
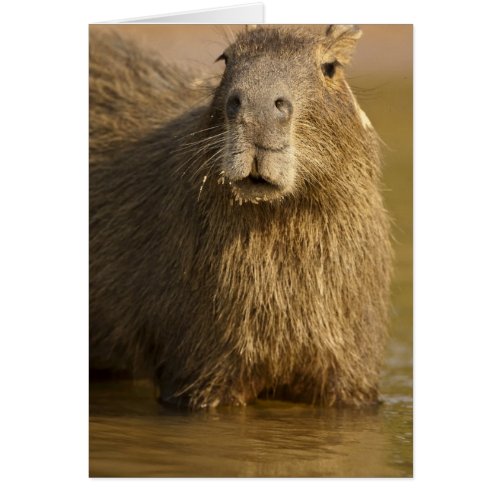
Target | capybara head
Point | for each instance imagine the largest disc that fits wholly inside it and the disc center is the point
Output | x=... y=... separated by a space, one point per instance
x=275 y=84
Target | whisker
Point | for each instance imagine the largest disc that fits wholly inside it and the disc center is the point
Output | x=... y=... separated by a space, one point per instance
x=198 y=146
x=201 y=141
x=199 y=169
x=193 y=160
x=204 y=130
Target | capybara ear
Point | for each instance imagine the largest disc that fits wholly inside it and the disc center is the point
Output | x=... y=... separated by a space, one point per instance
x=340 y=41
x=250 y=27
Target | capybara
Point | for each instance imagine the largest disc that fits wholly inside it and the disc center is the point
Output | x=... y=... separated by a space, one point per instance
x=239 y=246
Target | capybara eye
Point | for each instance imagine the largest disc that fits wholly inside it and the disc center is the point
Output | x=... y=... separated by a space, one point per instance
x=222 y=57
x=329 y=69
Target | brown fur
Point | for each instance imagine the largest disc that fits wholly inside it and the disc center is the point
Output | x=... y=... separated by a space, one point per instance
x=223 y=297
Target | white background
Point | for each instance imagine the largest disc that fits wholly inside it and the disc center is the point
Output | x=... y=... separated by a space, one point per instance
x=44 y=282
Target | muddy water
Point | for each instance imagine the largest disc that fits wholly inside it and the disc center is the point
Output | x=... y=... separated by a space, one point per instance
x=130 y=435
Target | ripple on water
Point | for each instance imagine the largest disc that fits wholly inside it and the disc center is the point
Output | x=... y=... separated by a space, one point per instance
x=266 y=439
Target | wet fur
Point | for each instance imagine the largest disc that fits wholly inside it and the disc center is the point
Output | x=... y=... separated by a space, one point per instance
x=220 y=302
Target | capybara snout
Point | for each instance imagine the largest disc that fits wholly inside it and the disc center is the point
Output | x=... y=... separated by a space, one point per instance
x=268 y=110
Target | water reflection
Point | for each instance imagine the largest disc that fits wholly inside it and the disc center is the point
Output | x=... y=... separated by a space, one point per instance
x=132 y=436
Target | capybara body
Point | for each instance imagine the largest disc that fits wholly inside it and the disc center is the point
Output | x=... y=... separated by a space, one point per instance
x=238 y=241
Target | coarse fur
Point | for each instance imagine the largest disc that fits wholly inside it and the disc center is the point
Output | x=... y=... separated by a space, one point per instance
x=237 y=249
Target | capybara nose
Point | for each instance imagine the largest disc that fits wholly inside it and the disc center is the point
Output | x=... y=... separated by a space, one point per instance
x=233 y=105
x=283 y=109
x=270 y=110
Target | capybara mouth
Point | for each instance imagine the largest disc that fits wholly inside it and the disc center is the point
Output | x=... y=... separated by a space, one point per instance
x=256 y=188
x=267 y=177
x=258 y=180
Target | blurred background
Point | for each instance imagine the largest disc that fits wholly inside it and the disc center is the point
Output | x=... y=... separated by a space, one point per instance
x=130 y=435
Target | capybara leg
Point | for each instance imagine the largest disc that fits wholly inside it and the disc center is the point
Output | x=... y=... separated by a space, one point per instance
x=331 y=390
x=207 y=395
